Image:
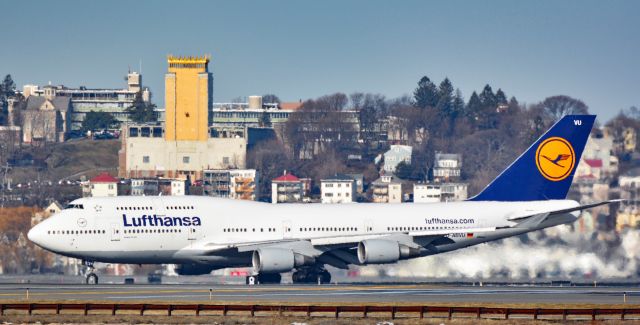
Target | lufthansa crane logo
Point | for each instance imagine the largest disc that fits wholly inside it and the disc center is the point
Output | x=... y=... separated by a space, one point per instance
x=555 y=158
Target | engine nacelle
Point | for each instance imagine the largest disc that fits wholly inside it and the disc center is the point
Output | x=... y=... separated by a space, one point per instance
x=193 y=269
x=278 y=260
x=380 y=251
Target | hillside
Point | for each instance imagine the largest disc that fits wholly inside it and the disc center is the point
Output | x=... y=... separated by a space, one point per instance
x=68 y=161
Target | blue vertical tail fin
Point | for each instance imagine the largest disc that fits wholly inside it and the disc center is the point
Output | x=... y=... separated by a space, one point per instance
x=545 y=171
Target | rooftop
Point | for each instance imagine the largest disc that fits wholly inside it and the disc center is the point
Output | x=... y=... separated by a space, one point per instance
x=286 y=178
x=337 y=177
x=594 y=163
x=104 y=177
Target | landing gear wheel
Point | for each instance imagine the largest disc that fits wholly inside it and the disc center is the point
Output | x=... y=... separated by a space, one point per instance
x=324 y=277
x=92 y=278
x=311 y=275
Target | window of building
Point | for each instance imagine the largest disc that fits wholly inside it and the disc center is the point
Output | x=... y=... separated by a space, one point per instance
x=185 y=159
x=145 y=159
x=157 y=132
x=225 y=160
x=133 y=132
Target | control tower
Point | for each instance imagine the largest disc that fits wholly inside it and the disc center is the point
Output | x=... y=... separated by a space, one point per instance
x=188 y=98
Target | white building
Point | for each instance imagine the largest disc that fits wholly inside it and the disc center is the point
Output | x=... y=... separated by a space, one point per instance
x=338 y=189
x=446 y=166
x=103 y=185
x=148 y=187
x=178 y=187
x=286 y=189
x=454 y=191
x=426 y=193
x=146 y=153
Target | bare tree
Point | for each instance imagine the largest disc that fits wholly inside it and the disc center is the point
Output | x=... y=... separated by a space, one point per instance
x=561 y=105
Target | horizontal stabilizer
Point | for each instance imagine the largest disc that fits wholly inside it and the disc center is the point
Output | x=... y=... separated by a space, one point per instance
x=536 y=219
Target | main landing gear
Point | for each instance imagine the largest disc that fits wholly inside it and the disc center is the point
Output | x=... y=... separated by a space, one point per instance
x=91 y=278
x=264 y=278
x=317 y=275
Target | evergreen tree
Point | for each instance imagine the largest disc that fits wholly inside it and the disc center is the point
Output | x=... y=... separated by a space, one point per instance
x=488 y=98
x=445 y=94
x=458 y=103
x=426 y=95
x=98 y=121
x=474 y=106
x=141 y=111
x=403 y=170
x=501 y=98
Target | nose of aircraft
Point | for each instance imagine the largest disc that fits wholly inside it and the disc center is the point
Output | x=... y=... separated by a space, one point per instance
x=35 y=235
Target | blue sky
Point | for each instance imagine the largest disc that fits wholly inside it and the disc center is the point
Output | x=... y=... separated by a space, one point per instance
x=302 y=49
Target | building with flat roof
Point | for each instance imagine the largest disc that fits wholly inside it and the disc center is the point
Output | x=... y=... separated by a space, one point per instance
x=426 y=193
x=85 y=100
x=185 y=144
x=338 y=188
x=239 y=184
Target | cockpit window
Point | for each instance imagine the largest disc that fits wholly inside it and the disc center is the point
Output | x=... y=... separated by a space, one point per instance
x=75 y=206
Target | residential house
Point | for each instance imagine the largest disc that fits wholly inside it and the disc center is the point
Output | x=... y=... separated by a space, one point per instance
x=286 y=189
x=102 y=185
x=446 y=166
x=387 y=189
x=339 y=188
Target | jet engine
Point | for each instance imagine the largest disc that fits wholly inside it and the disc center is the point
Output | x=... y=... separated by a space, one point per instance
x=277 y=260
x=380 y=251
x=193 y=269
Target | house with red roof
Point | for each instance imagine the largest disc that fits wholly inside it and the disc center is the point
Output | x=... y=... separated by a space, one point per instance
x=589 y=169
x=103 y=185
x=286 y=189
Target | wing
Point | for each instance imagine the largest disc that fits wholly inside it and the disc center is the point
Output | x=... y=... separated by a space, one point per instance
x=337 y=251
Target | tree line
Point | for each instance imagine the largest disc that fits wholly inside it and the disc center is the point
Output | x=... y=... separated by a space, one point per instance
x=489 y=129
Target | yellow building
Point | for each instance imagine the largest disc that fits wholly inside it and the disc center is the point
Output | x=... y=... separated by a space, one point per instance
x=188 y=95
x=186 y=144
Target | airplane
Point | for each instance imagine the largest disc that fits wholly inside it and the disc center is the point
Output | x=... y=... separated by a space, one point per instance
x=200 y=234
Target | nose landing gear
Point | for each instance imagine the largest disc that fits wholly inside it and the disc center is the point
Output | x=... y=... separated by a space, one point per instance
x=91 y=278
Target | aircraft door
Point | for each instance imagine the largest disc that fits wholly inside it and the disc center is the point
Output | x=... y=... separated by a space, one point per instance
x=286 y=229
x=191 y=233
x=115 y=232
x=368 y=226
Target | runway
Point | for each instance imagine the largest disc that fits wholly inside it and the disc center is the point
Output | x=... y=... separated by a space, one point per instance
x=398 y=294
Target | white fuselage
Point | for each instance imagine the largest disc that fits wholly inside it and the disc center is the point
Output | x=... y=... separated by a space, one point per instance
x=184 y=229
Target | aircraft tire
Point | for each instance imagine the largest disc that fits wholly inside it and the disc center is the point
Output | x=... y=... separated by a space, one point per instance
x=92 y=278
